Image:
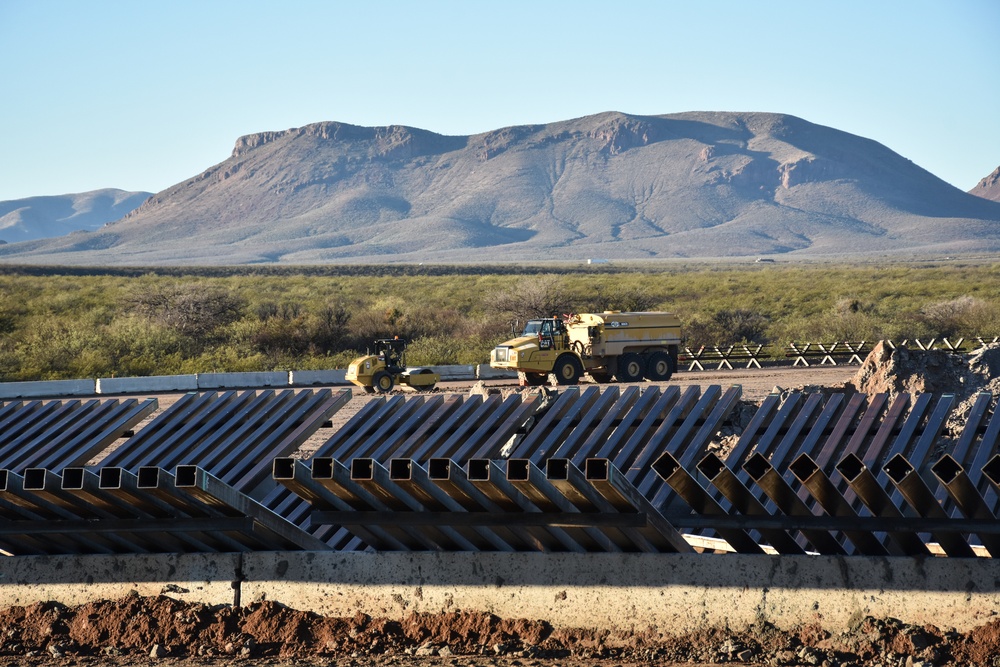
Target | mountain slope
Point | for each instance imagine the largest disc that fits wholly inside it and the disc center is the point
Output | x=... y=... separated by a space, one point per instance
x=42 y=217
x=611 y=185
x=989 y=187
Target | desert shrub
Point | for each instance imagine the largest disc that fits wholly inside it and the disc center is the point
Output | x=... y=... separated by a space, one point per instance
x=530 y=297
x=191 y=309
x=628 y=298
x=101 y=322
x=964 y=314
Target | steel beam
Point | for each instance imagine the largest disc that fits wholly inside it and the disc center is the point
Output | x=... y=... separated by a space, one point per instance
x=295 y=475
x=770 y=481
x=688 y=488
x=615 y=487
x=489 y=478
x=863 y=483
x=527 y=478
x=913 y=489
x=812 y=477
x=952 y=477
x=276 y=531
x=730 y=486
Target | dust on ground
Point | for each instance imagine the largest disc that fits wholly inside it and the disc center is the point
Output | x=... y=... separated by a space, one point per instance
x=138 y=630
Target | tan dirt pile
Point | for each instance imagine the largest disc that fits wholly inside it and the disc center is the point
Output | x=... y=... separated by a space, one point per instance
x=901 y=370
x=134 y=629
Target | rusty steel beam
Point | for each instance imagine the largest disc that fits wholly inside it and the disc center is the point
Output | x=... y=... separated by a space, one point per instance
x=671 y=436
x=644 y=445
x=833 y=412
x=987 y=448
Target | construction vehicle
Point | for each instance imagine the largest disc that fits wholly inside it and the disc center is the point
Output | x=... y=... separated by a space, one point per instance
x=626 y=347
x=381 y=371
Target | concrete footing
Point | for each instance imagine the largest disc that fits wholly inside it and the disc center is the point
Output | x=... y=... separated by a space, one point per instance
x=615 y=592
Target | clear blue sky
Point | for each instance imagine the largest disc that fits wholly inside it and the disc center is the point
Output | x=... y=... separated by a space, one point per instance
x=142 y=94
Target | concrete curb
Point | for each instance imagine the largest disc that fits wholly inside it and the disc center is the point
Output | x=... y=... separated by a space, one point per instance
x=54 y=388
x=161 y=383
x=147 y=384
x=242 y=380
x=317 y=378
x=615 y=592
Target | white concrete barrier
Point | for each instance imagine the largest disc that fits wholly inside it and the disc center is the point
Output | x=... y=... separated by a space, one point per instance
x=153 y=383
x=75 y=580
x=242 y=380
x=320 y=378
x=457 y=372
x=487 y=372
x=50 y=388
x=673 y=593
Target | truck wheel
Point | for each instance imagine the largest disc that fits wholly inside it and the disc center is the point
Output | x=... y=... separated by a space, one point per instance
x=659 y=366
x=382 y=382
x=567 y=369
x=533 y=379
x=630 y=368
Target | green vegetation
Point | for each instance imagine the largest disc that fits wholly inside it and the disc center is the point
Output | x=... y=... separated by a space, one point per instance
x=57 y=324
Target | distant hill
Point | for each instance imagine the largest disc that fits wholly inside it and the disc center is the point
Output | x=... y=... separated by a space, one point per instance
x=43 y=217
x=989 y=187
x=611 y=185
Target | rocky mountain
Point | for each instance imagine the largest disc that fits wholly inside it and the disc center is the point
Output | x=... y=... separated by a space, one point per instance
x=989 y=187
x=611 y=185
x=43 y=217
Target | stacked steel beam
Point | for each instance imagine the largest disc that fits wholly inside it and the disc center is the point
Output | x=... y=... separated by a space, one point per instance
x=195 y=478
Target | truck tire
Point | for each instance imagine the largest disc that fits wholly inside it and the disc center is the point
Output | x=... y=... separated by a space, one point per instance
x=630 y=368
x=600 y=377
x=532 y=379
x=568 y=369
x=659 y=366
x=382 y=382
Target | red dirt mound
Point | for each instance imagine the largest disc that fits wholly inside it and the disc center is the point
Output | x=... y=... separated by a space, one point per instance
x=132 y=630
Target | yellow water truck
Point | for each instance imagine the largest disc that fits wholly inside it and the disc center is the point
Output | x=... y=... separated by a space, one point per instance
x=626 y=347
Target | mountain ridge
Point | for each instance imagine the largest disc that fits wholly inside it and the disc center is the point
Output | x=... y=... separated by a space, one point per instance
x=610 y=185
x=55 y=215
